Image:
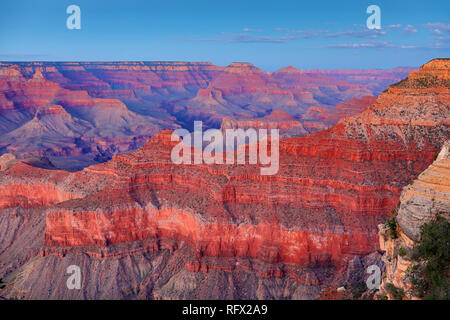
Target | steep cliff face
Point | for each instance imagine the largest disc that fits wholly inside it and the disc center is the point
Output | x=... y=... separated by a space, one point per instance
x=421 y=202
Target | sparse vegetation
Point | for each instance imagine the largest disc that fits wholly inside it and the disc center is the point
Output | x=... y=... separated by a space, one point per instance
x=402 y=252
x=399 y=83
x=381 y=297
x=430 y=277
x=392 y=225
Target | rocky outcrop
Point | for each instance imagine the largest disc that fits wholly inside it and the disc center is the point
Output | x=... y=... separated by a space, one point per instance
x=278 y=119
x=421 y=202
x=426 y=197
x=6 y=160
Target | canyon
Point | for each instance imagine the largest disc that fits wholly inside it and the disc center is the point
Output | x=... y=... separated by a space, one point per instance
x=141 y=227
x=77 y=114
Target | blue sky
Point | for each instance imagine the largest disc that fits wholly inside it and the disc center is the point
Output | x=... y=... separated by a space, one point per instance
x=270 y=34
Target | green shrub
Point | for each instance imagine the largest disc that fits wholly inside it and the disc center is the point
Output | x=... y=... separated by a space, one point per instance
x=392 y=225
x=381 y=297
x=431 y=277
x=396 y=293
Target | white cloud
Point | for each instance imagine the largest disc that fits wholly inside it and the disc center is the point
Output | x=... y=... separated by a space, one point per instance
x=409 y=29
x=251 y=30
x=438 y=27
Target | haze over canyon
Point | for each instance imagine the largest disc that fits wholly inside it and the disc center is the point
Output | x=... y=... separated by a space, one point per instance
x=77 y=114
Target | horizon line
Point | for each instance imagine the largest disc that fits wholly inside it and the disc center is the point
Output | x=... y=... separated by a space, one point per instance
x=197 y=63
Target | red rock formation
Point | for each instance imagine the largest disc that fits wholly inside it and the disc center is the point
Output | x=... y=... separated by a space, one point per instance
x=313 y=216
x=326 y=118
x=318 y=211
